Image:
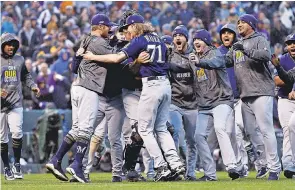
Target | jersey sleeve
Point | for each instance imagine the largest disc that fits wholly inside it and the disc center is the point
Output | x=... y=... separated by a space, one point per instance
x=136 y=46
x=100 y=47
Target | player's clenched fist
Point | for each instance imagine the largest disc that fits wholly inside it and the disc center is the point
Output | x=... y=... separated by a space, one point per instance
x=36 y=90
x=4 y=93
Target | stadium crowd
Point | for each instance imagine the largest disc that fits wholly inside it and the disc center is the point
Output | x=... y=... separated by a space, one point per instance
x=48 y=32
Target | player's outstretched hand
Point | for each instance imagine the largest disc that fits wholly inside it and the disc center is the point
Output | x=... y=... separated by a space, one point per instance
x=36 y=90
x=4 y=93
x=275 y=60
x=194 y=58
x=88 y=55
x=144 y=57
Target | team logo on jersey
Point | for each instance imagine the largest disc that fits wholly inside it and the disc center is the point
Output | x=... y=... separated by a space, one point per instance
x=201 y=75
x=240 y=57
x=80 y=149
x=9 y=75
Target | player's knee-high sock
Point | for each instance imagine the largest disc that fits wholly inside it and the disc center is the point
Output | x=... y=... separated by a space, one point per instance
x=80 y=151
x=17 y=149
x=66 y=145
x=4 y=154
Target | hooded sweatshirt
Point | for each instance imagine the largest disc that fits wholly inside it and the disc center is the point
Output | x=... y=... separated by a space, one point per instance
x=61 y=65
x=13 y=73
x=251 y=66
x=182 y=80
x=212 y=85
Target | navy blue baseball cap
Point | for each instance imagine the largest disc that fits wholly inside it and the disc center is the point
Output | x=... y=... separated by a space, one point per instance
x=134 y=19
x=167 y=39
x=290 y=38
x=203 y=35
x=249 y=19
x=101 y=19
x=181 y=29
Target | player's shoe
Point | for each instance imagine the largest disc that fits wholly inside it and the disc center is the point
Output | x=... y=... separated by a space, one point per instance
x=290 y=172
x=141 y=178
x=132 y=175
x=274 y=176
x=190 y=178
x=116 y=179
x=206 y=178
x=233 y=174
x=262 y=173
x=162 y=173
x=244 y=172
x=8 y=174
x=86 y=175
x=180 y=170
x=17 y=172
x=55 y=168
x=76 y=171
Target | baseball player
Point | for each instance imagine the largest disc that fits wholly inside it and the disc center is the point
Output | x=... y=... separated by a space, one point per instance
x=155 y=97
x=250 y=56
x=13 y=73
x=228 y=37
x=286 y=106
x=215 y=101
x=96 y=95
x=183 y=107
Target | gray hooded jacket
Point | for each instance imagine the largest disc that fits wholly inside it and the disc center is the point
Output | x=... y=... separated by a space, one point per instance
x=212 y=84
x=182 y=80
x=251 y=67
x=13 y=73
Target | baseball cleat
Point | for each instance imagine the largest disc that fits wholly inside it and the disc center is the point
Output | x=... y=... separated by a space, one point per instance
x=55 y=168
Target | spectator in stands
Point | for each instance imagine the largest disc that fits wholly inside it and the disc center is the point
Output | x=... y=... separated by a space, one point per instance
x=223 y=12
x=261 y=29
x=7 y=24
x=148 y=17
x=278 y=31
x=62 y=63
x=37 y=29
x=45 y=15
x=48 y=49
x=61 y=92
x=185 y=14
x=167 y=29
x=53 y=24
x=168 y=16
x=28 y=39
x=278 y=50
x=36 y=65
x=75 y=34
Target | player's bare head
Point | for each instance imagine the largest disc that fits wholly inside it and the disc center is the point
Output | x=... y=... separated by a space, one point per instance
x=246 y=24
x=290 y=42
x=202 y=40
x=180 y=37
x=228 y=35
x=100 y=24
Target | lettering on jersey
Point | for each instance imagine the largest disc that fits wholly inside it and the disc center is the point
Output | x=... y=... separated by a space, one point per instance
x=201 y=75
x=240 y=57
x=151 y=38
x=9 y=74
x=183 y=75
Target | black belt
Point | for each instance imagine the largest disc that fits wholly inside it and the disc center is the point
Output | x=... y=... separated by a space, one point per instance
x=156 y=78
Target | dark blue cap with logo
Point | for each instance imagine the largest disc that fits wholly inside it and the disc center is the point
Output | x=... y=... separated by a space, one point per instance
x=101 y=19
x=249 y=19
x=167 y=39
x=181 y=29
x=290 y=38
x=134 y=19
x=203 y=35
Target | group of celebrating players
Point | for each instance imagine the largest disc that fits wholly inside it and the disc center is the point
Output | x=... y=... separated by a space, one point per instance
x=140 y=85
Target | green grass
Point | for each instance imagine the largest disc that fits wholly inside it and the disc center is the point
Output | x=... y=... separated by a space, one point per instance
x=102 y=181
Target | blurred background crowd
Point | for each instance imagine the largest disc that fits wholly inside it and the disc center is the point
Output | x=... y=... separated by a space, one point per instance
x=48 y=31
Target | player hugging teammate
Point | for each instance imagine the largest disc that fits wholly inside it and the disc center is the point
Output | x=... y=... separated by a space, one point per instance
x=137 y=82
